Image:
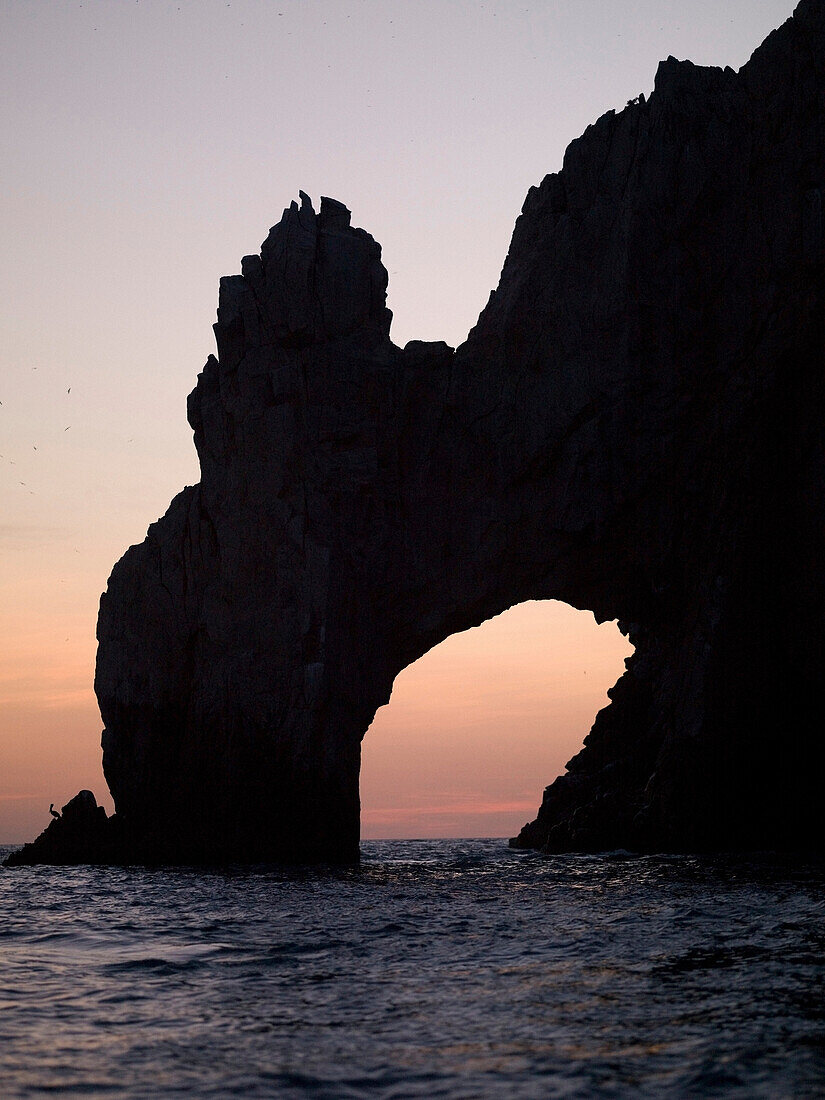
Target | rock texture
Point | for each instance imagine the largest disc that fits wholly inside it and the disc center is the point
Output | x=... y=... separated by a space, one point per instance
x=634 y=426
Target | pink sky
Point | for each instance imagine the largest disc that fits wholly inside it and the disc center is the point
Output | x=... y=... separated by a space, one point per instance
x=145 y=148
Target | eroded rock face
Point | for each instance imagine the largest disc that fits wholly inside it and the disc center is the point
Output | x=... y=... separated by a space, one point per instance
x=634 y=426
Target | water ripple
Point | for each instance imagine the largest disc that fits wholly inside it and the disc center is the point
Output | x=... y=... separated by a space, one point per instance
x=438 y=969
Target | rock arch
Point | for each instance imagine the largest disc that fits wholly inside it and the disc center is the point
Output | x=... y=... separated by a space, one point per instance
x=475 y=725
x=634 y=426
x=359 y=503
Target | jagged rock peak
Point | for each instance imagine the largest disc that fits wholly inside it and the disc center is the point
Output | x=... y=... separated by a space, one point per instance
x=317 y=277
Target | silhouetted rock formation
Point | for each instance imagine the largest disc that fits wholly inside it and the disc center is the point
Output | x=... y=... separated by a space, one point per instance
x=82 y=833
x=634 y=426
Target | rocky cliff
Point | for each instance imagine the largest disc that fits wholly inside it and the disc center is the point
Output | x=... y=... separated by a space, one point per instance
x=634 y=426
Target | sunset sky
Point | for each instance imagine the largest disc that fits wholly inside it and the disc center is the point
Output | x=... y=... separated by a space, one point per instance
x=147 y=146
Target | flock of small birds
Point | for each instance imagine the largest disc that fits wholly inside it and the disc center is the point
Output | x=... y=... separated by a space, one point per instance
x=11 y=461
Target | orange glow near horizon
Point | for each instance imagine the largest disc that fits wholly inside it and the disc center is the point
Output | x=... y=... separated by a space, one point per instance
x=50 y=746
x=482 y=723
x=474 y=731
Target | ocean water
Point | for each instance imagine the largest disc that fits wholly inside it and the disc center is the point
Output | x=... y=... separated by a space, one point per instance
x=437 y=969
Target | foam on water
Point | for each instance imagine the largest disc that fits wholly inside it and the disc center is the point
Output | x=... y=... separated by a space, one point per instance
x=438 y=969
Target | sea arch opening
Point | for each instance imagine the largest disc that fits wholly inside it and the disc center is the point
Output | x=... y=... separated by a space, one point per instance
x=482 y=722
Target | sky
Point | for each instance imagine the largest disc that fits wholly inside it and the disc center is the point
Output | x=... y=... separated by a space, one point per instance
x=145 y=147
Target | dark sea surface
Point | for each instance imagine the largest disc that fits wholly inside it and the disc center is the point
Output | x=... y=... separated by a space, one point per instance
x=438 y=969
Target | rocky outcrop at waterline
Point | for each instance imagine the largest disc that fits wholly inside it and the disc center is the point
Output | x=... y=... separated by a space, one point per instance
x=81 y=833
x=634 y=426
